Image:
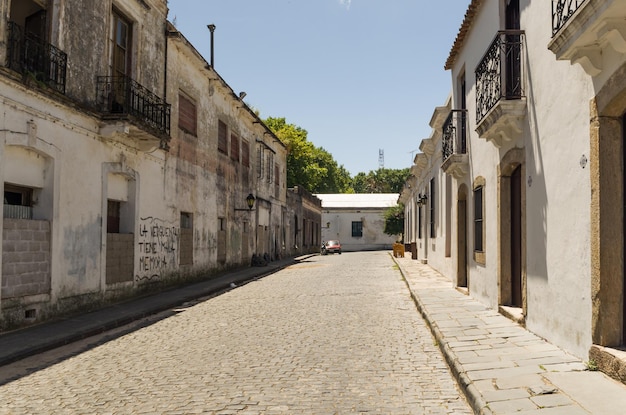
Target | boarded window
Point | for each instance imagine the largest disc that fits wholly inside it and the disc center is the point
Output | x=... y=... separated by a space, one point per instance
x=187 y=115
x=245 y=153
x=222 y=138
x=234 y=147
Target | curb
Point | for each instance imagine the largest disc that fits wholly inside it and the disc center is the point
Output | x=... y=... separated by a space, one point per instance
x=473 y=396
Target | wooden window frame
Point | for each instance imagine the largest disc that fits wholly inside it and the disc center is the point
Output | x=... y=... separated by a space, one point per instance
x=187 y=115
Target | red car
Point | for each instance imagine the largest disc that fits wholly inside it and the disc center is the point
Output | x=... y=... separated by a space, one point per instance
x=331 y=247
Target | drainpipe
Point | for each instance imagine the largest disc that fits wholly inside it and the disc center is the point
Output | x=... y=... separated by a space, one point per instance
x=165 y=33
x=212 y=30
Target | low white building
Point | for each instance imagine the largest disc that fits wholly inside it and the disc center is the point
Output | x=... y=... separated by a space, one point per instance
x=357 y=220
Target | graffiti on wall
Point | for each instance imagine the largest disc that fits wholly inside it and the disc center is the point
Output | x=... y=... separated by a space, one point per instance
x=158 y=243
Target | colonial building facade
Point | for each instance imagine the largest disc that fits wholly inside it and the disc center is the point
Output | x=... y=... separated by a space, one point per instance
x=518 y=194
x=125 y=159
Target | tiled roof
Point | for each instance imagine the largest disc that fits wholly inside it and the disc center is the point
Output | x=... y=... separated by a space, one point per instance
x=358 y=200
x=470 y=14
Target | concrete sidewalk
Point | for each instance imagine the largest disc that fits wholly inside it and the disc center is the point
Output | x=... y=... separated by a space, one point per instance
x=19 y=344
x=502 y=367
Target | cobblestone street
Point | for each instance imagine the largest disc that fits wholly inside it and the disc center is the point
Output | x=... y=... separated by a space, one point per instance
x=333 y=334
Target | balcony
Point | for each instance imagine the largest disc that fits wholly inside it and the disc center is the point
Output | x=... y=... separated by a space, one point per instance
x=132 y=112
x=500 y=99
x=35 y=59
x=583 y=31
x=454 y=144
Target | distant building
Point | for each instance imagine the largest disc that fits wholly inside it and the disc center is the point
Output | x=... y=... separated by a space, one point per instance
x=357 y=220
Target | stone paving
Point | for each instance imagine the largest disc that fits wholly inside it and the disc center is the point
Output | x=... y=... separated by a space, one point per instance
x=502 y=367
x=334 y=334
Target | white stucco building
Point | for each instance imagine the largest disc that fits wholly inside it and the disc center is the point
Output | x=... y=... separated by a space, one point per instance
x=518 y=194
x=357 y=220
x=125 y=160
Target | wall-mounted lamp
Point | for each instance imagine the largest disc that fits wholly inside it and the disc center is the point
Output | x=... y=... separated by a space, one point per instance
x=421 y=199
x=242 y=95
x=249 y=201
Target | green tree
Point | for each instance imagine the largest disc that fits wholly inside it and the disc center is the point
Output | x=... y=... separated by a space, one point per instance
x=381 y=181
x=394 y=220
x=307 y=165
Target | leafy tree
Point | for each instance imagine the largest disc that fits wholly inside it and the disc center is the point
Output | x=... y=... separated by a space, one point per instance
x=307 y=165
x=394 y=220
x=381 y=181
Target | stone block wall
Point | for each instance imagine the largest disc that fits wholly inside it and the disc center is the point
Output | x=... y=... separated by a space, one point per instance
x=120 y=257
x=25 y=258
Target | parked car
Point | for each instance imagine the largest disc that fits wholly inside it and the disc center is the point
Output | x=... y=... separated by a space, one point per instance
x=331 y=247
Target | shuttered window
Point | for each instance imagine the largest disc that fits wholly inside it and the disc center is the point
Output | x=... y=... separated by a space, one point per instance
x=234 y=147
x=222 y=137
x=245 y=153
x=187 y=116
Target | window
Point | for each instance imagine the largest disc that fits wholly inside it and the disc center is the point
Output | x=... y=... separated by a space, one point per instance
x=186 y=239
x=419 y=223
x=270 y=164
x=234 y=147
x=245 y=153
x=260 y=158
x=121 y=54
x=222 y=137
x=18 y=202
x=432 y=208
x=113 y=216
x=478 y=219
x=357 y=229
x=187 y=115
x=277 y=180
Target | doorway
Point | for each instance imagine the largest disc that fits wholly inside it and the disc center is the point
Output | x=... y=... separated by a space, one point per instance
x=516 y=237
x=461 y=220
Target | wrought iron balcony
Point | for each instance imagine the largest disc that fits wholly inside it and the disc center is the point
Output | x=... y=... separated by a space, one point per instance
x=562 y=10
x=121 y=96
x=587 y=32
x=454 y=144
x=499 y=75
x=31 y=56
x=454 y=139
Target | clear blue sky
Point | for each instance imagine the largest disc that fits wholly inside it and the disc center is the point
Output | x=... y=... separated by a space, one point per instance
x=358 y=75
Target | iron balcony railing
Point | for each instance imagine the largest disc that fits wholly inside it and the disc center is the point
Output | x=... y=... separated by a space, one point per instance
x=562 y=10
x=454 y=140
x=121 y=95
x=499 y=75
x=30 y=55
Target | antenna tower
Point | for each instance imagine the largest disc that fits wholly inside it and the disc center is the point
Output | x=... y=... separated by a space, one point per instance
x=381 y=158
